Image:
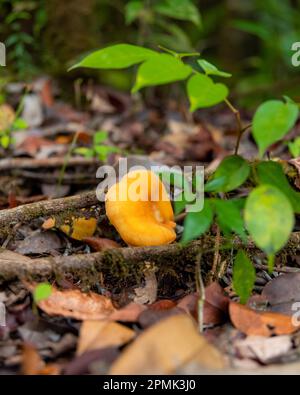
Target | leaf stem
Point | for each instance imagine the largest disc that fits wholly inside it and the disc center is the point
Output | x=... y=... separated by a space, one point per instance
x=240 y=129
x=67 y=158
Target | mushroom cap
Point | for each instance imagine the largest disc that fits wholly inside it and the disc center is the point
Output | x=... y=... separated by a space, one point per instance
x=140 y=209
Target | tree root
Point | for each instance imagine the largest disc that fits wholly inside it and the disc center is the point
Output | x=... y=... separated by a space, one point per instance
x=25 y=213
x=128 y=262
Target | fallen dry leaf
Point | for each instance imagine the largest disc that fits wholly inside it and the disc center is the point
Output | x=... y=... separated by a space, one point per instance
x=165 y=347
x=129 y=313
x=164 y=304
x=101 y=334
x=148 y=293
x=259 y=323
x=7 y=116
x=263 y=349
x=282 y=293
x=78 y=228
x=32 y=363
x=215 y=309
x=32 y=144
x=150 y=317
x=76 y=304
x=100 y=243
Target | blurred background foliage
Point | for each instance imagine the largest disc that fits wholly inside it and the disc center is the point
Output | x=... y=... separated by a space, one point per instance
x=250 y=39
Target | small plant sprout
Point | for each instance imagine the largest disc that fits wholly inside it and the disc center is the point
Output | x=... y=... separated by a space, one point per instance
x=98 y=150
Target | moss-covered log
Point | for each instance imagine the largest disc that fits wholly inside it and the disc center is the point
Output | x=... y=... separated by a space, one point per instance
x=127 y=263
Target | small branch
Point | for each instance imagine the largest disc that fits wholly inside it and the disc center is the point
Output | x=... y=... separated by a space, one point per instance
x=25 y=213
x=27 y=163
x=128 y=257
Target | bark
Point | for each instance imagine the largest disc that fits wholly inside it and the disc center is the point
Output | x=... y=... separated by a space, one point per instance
x=10 y=217
x=128 y=261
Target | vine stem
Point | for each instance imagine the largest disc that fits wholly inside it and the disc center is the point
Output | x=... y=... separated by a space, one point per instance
x=238 y=122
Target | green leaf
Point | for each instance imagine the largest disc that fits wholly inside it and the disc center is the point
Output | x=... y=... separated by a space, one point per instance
x=132 y=10
x=269 y=218
x=197 y=223
x=203 y=92
x=19 y=124
x=99 y=137
x=232 y=172
x=179 y=204
x=162 y=69
x=118 y=56
x=42 y=291
x=243 y=276
x=179 y=9
x=272 y=173
x=84 y=151
x=5 y=141
x=272 y=120
x=104 y=150
x=229 y=217
x=215 y=184
x=294 y=147
x=211 y=69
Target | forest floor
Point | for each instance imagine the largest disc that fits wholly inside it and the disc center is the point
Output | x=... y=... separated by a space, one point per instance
x=113 y=308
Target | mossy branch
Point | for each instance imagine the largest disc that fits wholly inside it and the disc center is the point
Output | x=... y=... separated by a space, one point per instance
x=126 y=262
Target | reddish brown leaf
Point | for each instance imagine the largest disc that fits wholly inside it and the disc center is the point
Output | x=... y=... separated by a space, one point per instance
x=215 y=306
x=129 y=313
x=32 y=144
x=76 y=304
x=100 y=244
x=259 y=323
x=32 y=363
x=164 y=304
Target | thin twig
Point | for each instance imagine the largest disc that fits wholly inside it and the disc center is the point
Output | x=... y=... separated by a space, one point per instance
x=238 y=122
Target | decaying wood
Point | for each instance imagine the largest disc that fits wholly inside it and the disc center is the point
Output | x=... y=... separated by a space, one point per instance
x=22 y=214
x=82 y=265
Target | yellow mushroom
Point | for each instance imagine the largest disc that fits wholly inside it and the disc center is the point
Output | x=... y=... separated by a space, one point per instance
x=140 y=209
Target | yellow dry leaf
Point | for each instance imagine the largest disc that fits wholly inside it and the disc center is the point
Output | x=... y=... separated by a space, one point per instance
x=167 y=346
x=100 y=334
x=77 y=228
x=80 y=228
x=7 y=116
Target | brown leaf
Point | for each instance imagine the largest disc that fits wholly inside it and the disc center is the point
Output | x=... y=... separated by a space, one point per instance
x=214 y=295
x=164 y=304
x=150 y=317
x=76 y=304
x=129 y=313
x=83 y=363
x=100 y=243
x=101 y=334
x=259 y=323
x=32 y=363
x=282 y=293
x=32 y=144
x=165 y=347
x=215 y=309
